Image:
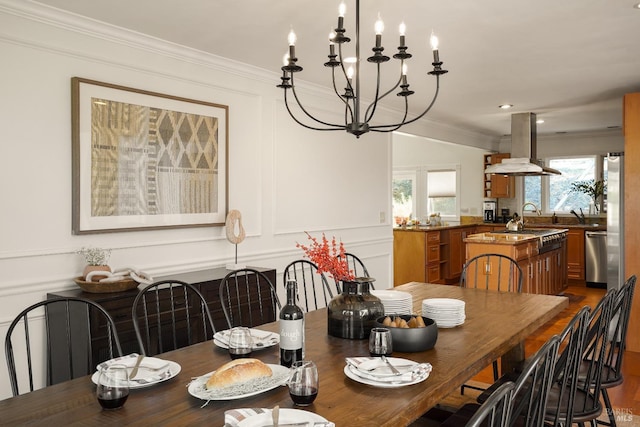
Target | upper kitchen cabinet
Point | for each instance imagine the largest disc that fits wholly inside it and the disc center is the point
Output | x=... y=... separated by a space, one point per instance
x=497 y=185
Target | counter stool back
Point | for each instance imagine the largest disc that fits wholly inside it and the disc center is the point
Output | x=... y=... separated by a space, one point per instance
x=64 y=320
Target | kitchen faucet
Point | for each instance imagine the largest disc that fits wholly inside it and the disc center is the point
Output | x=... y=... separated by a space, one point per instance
x=534 y=207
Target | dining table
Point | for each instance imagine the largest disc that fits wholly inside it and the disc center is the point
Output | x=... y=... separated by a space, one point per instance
x=496 y=323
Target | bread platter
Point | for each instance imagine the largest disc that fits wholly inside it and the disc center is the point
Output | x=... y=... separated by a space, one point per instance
x=198 y=386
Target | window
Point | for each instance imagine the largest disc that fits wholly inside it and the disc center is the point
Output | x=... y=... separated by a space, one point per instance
x=403 y=189
x=553 y=193
x=419 y=192
x=441 y=192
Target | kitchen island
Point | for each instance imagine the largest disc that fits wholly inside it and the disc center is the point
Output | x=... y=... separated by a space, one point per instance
x=541 y=253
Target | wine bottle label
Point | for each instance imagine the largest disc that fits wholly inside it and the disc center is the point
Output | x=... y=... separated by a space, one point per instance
x=291 y=334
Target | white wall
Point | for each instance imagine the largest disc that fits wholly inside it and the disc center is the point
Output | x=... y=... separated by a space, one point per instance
x=284 y=179
x=411 y=151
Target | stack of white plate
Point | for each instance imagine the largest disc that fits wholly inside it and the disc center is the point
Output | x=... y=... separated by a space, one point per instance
x=395 y=302
x=447 y=312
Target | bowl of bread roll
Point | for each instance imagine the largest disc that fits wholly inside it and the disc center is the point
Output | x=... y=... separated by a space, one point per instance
x=410 y=333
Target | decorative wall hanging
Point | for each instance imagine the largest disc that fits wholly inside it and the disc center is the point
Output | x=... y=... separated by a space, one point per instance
x=144 y=160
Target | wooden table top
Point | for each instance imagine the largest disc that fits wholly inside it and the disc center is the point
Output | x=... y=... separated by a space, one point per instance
x=495 y=322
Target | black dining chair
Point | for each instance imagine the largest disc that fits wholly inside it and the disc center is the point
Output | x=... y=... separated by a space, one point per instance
x=357 y=267
x=491 y=271
x=530 y=391
x=313 y=287
x=570 y=344
x=494 y=412
x=248 y=298
x=616 y=345
x=581 y=403
x=170 y=314
x=56 y=323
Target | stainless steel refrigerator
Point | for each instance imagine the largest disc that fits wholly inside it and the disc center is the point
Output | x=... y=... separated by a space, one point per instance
x=615 y=220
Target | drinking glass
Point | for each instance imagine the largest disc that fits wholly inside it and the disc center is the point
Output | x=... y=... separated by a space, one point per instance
x=303 y=382
x=113 y=386
x=380 y=343
x=240 y=342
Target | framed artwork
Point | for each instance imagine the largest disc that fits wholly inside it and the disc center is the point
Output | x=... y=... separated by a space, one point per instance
x=144 y=160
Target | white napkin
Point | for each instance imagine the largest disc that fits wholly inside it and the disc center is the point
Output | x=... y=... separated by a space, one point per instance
x=151 y=369
x=373 y=368
x=260 y=338
x=233 y=417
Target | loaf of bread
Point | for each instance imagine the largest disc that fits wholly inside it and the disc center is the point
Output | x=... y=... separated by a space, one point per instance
x=238 y=371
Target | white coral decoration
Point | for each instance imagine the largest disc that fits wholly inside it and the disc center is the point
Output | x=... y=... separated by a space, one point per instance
x=95 y=256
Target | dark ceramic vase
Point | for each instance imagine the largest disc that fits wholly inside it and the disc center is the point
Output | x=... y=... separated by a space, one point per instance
x=353 y=313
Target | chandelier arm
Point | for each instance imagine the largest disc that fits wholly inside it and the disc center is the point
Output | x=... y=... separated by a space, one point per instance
x=344 y=100
x=369 y=117
x=435 y=96
x=286 y=103
x=293 y=89
x=395 y=127
x=374 y=104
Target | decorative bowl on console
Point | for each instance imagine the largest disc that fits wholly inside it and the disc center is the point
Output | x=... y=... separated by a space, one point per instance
x=125 y=284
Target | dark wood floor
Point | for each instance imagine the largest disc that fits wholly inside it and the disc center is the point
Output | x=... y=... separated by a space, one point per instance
x=624 y=398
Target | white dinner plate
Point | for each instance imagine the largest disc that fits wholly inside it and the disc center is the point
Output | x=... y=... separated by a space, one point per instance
x=261 y=339
x=148 y=377
x=280 y=377
x=352 y=373
x=287 y=416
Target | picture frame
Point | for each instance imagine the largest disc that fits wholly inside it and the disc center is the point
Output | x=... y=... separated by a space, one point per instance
x=144 y=160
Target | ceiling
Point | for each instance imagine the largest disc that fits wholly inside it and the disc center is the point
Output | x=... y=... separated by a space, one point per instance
x=569 y=61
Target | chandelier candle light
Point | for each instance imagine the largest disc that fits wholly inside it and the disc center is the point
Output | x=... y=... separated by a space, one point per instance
x=357 y=123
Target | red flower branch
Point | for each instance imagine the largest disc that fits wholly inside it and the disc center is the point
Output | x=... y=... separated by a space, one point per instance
x=330 y=258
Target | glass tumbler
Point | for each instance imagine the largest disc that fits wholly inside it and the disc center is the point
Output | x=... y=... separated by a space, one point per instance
x=113 y=386
x=380 y=342
x=240 y=342
x=303 y=382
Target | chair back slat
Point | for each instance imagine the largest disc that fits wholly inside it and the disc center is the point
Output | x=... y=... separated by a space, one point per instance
x=313 y=288
x=170 y=314
x=496 y=410
x=357 y=267
x=66 y=322
x=248 y=298
x=492 y=271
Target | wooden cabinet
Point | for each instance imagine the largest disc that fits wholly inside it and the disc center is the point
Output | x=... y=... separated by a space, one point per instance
x=119 y=304
x=497 y=186
x=631 y=129
x=575 y=255
x=455 y=252
x=416 y=257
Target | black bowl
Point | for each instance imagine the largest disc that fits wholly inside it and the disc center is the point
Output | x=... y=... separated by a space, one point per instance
x=411 y=340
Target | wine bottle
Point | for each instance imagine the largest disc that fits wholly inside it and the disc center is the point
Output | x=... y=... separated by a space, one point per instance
x=291 y=328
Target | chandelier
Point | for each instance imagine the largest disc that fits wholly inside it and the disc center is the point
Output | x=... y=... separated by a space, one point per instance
x=356 y=122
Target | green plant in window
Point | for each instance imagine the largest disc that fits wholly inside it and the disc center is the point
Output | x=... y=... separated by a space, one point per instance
x=591 y=187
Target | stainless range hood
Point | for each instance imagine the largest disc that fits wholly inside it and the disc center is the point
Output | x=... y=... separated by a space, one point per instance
x=523 y=161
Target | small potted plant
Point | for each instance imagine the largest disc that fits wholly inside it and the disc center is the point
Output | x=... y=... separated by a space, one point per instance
x=97 y=260
x=592 y=188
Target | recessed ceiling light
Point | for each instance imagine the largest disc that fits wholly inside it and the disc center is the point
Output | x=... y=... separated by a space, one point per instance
x=539 y=121
x=636 y=6
x=505 y=106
